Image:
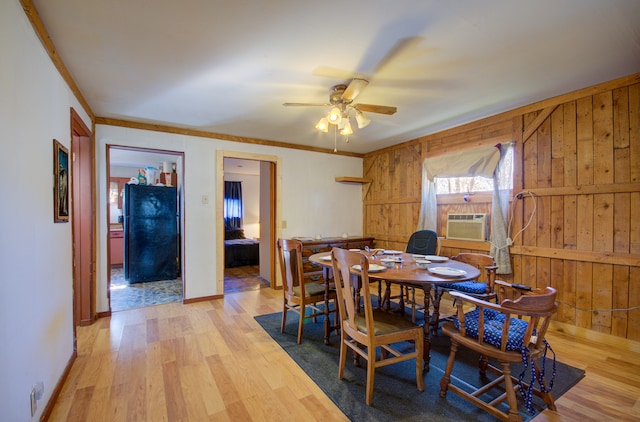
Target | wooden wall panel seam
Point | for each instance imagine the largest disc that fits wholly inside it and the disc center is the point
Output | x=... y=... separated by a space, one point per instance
x=614 y=258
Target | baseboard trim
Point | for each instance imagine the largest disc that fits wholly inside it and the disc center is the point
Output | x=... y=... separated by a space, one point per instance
x=58 y=388
x=104 y=314
x=202 y=299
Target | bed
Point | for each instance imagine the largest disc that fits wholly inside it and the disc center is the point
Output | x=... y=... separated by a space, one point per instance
x=240 y=251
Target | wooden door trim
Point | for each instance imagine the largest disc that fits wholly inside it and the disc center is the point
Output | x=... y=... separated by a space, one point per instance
x=81 y=287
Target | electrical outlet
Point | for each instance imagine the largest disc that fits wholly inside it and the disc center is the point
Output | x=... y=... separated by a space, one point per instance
x=284 y=224
x=205 y=199
x=34 y=404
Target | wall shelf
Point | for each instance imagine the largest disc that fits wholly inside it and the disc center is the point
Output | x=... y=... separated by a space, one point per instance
x=347 y=179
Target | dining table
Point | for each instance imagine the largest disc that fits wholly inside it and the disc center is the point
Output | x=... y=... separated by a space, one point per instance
x=405 y=272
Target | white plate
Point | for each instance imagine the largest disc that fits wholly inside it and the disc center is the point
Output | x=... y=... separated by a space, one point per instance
x=325 y=258
x=436 y=258
x=390 y=252
x=451 y=272
x=373 y=268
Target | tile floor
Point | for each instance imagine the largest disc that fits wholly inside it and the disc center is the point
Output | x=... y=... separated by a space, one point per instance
x=139 y=295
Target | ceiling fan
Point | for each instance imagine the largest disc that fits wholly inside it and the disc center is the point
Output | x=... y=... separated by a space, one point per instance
x=341 y=98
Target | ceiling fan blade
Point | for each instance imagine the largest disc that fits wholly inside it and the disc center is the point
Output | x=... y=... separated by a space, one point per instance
x=402 y=47
x=304 y=104
x=371 y=108
x=354 y=89
x=333 y=73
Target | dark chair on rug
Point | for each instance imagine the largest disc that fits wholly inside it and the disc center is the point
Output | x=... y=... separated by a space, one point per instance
x=421 y=242
x=510 y=332
x=365 y=332
x=298 y=294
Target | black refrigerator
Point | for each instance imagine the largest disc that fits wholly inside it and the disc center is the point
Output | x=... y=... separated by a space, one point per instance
x=150 y=233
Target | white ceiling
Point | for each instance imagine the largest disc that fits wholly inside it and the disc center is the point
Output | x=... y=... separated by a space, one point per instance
x=227 y=66
x=241 y=166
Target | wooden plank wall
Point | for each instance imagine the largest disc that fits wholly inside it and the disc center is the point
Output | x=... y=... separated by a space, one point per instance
x=578 y=164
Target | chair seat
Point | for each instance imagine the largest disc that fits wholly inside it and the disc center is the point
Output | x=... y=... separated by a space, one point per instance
x=384 y=322
x=310 y=289
x=472 y=287
x=493 y=324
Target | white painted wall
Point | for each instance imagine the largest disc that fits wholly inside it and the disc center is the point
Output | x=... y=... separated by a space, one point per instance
x=36 y=255
x=309 y=198
x=36 y=333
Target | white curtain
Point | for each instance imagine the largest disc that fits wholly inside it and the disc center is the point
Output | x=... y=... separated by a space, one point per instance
x=473 y=162
x=481 y=161
x=429 y=205
x=500 y=201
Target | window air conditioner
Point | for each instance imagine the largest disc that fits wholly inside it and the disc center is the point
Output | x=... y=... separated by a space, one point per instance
x=467 y=226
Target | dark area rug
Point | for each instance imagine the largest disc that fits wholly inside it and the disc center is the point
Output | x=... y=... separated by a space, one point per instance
x=395 y=396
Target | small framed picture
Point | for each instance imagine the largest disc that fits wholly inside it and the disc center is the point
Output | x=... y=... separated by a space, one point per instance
x=61 y=170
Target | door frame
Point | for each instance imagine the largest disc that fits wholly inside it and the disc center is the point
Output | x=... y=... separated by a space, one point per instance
x=83 y=226
x=275 y=229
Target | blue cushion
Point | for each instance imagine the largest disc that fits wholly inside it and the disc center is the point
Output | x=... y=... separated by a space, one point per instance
x=493 y=323
x=473 y=287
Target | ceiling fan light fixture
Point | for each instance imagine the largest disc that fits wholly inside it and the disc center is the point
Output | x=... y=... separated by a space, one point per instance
x=361 y=119
x=323 y=125
x=343 y=122
x=346 y=130
x=335 y=116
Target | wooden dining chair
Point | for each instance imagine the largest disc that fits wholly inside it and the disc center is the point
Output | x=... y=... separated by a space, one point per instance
x=482 y=288
x=365 y=332
x=510 y=332
x=298 y=294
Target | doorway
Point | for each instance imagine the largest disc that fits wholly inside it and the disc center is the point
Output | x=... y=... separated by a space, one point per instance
x=260 y=223
x=144 y=251
x=241 y=213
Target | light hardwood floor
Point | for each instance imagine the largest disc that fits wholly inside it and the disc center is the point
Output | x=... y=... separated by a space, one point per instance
x=212 y=361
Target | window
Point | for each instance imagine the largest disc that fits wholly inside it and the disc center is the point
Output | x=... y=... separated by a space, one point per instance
x=449 y=185
x=233 y=205
x=113 y=192
x=476 y=162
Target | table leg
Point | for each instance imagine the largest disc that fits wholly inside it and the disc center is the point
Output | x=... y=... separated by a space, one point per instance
x=435 y=320
x=427 y=326
x=327 y=322
x=356 y=285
